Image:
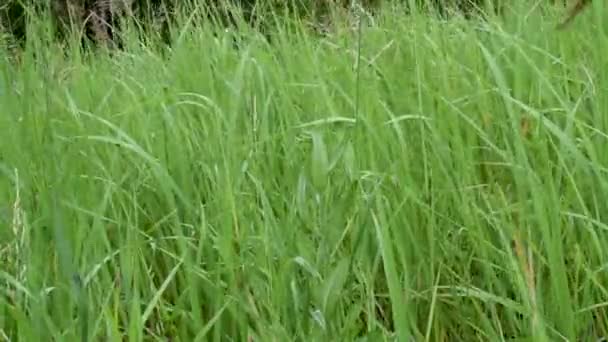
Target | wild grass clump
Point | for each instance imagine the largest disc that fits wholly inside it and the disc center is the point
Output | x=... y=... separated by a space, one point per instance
x=416 y=179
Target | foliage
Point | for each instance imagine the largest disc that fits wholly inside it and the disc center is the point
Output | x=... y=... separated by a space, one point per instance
x=84 y=14
x=411 y=180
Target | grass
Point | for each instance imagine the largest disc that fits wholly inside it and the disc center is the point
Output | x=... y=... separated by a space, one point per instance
x=447 y=183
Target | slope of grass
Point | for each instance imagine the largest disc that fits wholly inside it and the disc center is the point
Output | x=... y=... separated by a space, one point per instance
x=448 y=183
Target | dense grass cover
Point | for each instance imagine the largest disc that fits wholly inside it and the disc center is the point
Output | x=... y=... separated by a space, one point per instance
x=414 y=180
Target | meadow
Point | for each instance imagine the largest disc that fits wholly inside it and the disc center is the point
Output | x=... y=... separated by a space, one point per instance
x=397 y=179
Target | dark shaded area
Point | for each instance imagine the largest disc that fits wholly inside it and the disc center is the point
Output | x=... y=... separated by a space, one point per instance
x=99 y=20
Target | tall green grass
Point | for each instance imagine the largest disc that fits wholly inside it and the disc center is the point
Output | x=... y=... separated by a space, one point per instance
x=425 y=181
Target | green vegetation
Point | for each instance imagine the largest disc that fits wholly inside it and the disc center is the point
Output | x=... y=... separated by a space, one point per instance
x=411 y=179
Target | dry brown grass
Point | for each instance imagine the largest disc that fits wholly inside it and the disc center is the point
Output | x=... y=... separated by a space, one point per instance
x=574 y=11
x=97 y=16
